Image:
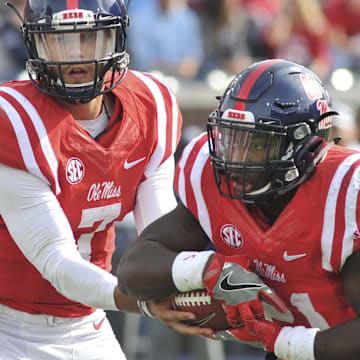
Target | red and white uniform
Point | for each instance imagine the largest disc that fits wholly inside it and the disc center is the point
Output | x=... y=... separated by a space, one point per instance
x=301 y=255
x=95 y=182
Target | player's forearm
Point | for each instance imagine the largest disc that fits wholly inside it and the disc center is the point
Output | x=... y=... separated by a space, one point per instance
x=146 y=268
x=124 y=302
x=144 y=271
x=340 y=342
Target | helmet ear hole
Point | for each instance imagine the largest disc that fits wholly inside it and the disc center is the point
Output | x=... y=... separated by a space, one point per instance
x=306 y=152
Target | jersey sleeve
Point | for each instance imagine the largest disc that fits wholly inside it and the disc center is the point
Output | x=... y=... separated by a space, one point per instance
x=155 y=196
x=168 y=121
x=341 y=222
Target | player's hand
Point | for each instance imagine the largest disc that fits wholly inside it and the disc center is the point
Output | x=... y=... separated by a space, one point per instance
x=258 y=333
x=176 y=320
x=230 y=280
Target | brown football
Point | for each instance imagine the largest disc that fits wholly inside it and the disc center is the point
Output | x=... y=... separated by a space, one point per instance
x=209 y=311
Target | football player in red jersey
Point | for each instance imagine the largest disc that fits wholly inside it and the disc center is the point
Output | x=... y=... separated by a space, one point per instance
x=277 y=200
x=84 y=142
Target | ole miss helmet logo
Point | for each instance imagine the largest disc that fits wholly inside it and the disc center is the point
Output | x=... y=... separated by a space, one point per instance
x=231 y=236
x=323 y=107
x=312 y=88
x=75 y=170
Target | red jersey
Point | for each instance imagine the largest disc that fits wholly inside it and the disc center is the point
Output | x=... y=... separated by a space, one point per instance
x=95 y=182
x=301 y=255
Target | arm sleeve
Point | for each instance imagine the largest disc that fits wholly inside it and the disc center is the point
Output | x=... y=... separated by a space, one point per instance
x=46 y=240
x=155 y=196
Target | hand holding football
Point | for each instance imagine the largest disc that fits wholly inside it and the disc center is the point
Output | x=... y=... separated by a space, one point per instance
x=209 y=312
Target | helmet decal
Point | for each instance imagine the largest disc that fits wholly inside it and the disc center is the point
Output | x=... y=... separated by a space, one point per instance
x=312 y=87
x=323 y=107
x=68 y=16
x=237 y=115
x=248 y=85
x=72 y=4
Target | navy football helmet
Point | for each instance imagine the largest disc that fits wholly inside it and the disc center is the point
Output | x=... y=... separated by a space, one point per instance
x=79 y=33
x=269 y=130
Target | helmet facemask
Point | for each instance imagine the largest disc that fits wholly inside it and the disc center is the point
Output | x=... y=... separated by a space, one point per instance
x=249 y=159
x=93 y=44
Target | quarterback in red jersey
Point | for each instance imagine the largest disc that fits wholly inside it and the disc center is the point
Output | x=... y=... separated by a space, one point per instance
x=84 y=142
x=280 y=205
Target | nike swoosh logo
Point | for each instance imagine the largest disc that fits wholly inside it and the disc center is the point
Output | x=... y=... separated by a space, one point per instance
x=288 y=257
x=202 y=321
x=98 y=325
x=228 y=286
x=129 y=165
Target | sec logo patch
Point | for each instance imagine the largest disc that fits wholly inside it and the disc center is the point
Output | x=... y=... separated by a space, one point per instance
x=231 y=236
x=75 y=171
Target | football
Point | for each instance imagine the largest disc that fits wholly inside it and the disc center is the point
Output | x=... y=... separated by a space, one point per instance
x=209 y=311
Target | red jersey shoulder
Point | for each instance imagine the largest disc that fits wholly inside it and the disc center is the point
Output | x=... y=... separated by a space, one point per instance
x=26 y=116
x=336 y=156
x=153 y=105
x=193 y=172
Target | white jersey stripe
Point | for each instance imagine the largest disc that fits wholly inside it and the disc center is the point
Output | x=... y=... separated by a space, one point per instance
x=159 y=152
x=327 y=237
x=46 y=147
x=195 y=178
x=350 y=216
x=175 y=114
x=181 y=165
x=22 y=139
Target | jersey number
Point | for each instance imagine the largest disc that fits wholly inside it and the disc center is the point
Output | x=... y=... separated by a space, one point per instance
x=303 y=303
x=103 y=214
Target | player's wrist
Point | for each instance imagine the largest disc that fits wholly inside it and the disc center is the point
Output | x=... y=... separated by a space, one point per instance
x=295 y=343
x=188 y=268
x=144 y=309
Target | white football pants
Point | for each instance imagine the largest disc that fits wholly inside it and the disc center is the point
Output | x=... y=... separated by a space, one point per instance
x=25 y=336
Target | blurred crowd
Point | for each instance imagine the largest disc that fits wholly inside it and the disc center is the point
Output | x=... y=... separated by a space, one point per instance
x=189 y=38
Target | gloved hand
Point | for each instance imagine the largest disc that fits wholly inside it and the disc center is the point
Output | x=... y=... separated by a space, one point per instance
x=258 y=333
x=230 y=280
x=292 y=342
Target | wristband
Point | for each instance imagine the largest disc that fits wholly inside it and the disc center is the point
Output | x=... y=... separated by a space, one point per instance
x=295 y=343
x=144 y=310
x=188 y=268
